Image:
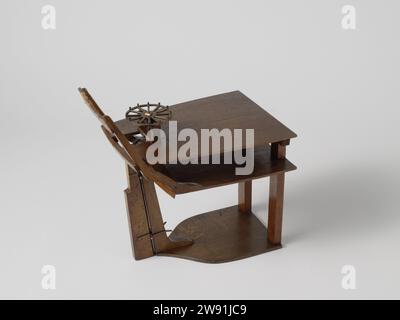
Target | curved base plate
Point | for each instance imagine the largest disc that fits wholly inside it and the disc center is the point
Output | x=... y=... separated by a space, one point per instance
x=219 y=236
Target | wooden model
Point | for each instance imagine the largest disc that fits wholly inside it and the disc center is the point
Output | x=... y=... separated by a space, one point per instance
x=218 y=236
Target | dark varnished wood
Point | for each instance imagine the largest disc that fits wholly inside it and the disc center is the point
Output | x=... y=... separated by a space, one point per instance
x=156 y=225
x=232 y=110
x=244 y=196
x=127 y=127
x=276 y=192
x=220 y=236
x=148 y=235
x=275 y=207
x=119 y=148
x=91 y=103
x=138 y=225
x=195 y=177
x=278 y=150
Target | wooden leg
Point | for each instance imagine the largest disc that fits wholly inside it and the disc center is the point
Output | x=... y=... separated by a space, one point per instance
x=276 y=191
x=245 y=196
x=275 y=208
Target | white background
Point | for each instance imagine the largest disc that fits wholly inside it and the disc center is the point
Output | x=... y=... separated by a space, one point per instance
x=62 y=185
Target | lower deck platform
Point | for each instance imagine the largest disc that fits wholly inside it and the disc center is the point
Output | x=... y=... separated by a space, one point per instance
x=221 y=235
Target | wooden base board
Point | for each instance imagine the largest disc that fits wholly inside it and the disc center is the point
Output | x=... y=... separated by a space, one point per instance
x=222 y=235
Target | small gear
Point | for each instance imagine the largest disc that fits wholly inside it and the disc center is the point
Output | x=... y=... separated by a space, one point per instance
x=148 y=115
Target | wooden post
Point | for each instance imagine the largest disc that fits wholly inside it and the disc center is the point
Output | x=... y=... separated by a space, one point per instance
x=138 y=224
x=244 y=196
x=148 y=235
x=159 y=237
x=276 y=191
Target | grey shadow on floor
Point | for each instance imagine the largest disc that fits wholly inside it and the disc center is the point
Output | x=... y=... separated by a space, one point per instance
x=345 y=202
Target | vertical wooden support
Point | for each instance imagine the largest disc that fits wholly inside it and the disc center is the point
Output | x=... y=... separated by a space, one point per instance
x=244 y=196
x=148 y=235
x=138 y=224
x=276 y=192
x=275 y=208
x=161 y=242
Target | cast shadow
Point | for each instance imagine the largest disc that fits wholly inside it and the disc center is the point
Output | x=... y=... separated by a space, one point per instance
x=347 y=202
